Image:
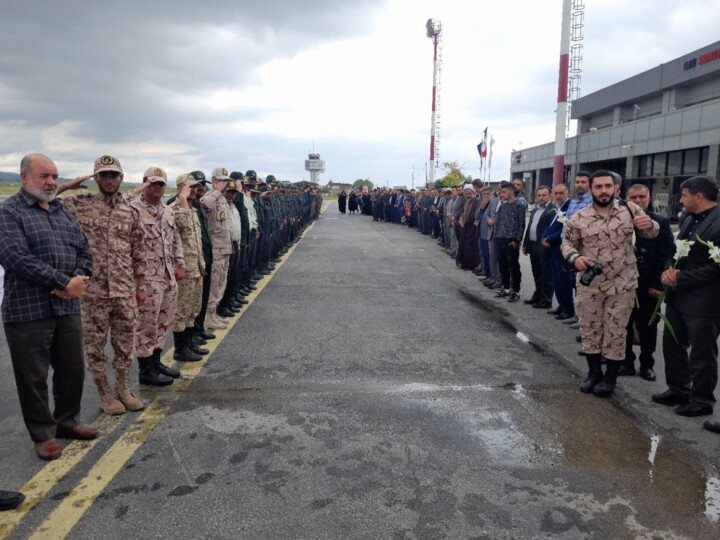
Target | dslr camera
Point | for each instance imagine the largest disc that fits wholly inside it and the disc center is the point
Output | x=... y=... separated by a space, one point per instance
x=589 y=274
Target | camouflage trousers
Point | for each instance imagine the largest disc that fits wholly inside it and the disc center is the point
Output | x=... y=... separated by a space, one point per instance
x=218 y=281
x=156 y=317
x=189 y=303
x=100 y=315
x=603 y=321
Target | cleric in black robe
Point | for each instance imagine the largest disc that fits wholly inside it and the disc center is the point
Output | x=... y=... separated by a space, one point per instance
x=468 y=254
x=353 y=202
x=366 y=205
x=342 y=200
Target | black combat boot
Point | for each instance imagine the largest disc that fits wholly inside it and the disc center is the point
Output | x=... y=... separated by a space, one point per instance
x=162 y=368
x=149 y=374
x=595 y=374
x=183 y=351
x=606 y=387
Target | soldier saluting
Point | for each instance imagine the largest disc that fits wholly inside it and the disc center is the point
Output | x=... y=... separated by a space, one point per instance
x=112 y=227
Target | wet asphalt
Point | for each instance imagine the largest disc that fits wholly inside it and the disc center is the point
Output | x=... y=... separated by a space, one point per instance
x=373 y=390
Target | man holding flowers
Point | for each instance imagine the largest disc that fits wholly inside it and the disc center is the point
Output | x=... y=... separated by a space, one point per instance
x=692 y=315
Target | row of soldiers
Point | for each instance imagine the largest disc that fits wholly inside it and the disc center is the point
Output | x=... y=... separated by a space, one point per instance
x=187 y=265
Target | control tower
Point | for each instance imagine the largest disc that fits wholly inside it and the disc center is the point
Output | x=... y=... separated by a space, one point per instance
x=315 y=165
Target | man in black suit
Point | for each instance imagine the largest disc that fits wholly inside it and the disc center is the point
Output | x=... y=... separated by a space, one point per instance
x=693 y=307
x=540 y=256
x=654 y=252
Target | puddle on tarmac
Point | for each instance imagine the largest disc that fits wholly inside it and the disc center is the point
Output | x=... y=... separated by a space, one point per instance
x=592 y=436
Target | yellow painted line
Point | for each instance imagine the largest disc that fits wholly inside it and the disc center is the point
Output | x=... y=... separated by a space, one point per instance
x=62 y=520
x=48 y=477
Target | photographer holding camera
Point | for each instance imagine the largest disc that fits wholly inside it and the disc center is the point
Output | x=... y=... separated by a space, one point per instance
x=599 y=244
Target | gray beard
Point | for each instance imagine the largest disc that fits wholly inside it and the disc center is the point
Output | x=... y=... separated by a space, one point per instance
x=41 y=196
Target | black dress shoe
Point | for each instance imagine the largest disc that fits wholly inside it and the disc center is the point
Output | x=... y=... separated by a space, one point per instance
x=541 y=305
x=555 y=311
x=10 y=499
x=626 y=371
x=693 y=409
x=186 y=354
x=712 y=426
x=207 y=335
x=225 y=313
x=196 y=339
x=670 y=398
x=202 y=351
x=563 y=316
x=647 y=373
x=529 y=301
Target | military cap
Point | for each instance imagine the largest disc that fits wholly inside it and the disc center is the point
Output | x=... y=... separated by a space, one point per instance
x=188 y=179
x=199 y=176
x=107 y=163
x=155 y=174
x=220 y=173
x=251 y=174
x=235 y=175
x=231 y=185
x=270 y=179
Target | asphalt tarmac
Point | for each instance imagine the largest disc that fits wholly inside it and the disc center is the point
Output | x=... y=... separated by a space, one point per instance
x=372 y=390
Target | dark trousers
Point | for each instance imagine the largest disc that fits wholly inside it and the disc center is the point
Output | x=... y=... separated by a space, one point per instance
x=692 y=373
x=509 y=263
x=251 y=249
x=541 y=264
x=233 y=275
x=35 y=347
x=639 y=318
x=200 y=319
x=485 y=252
x=564 y=283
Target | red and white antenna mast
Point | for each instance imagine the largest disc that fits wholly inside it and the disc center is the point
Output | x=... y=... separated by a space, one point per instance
x=433 y=29
x=570 y=61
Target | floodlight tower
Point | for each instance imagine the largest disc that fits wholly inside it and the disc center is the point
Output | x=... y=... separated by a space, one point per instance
x=315 y=166
x=433 y=29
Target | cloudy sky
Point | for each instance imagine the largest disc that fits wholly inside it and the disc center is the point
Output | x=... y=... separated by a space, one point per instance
x=254 y=84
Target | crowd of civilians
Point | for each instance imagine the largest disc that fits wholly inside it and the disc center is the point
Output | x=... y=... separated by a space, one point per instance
x=485 y=230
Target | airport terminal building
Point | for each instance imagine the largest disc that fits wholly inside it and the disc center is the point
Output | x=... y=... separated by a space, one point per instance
x=657 y=128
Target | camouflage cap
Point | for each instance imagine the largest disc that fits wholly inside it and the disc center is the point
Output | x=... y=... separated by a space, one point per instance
x=107 y=163
x=155 y=174
x=199 y=176
x=220 y=173
x=188 y=179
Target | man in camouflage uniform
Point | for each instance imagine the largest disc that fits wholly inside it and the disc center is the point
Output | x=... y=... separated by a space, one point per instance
x=602 y=233
x=165 y=267
x=189 y=299
x=112 y=227
x=219 y=226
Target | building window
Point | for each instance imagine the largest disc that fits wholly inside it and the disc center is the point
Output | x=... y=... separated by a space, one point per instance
x=692 y=161
x=704 y=160
x=674 y=163
x=659 y=162
x=644 y=165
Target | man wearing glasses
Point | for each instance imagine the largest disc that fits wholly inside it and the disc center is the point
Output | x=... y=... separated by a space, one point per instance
x=112 y=227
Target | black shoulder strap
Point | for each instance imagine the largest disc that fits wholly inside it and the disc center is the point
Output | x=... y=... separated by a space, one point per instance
x=626 y=205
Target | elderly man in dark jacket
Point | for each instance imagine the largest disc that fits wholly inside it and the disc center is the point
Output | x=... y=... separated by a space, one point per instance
x=653 y=252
